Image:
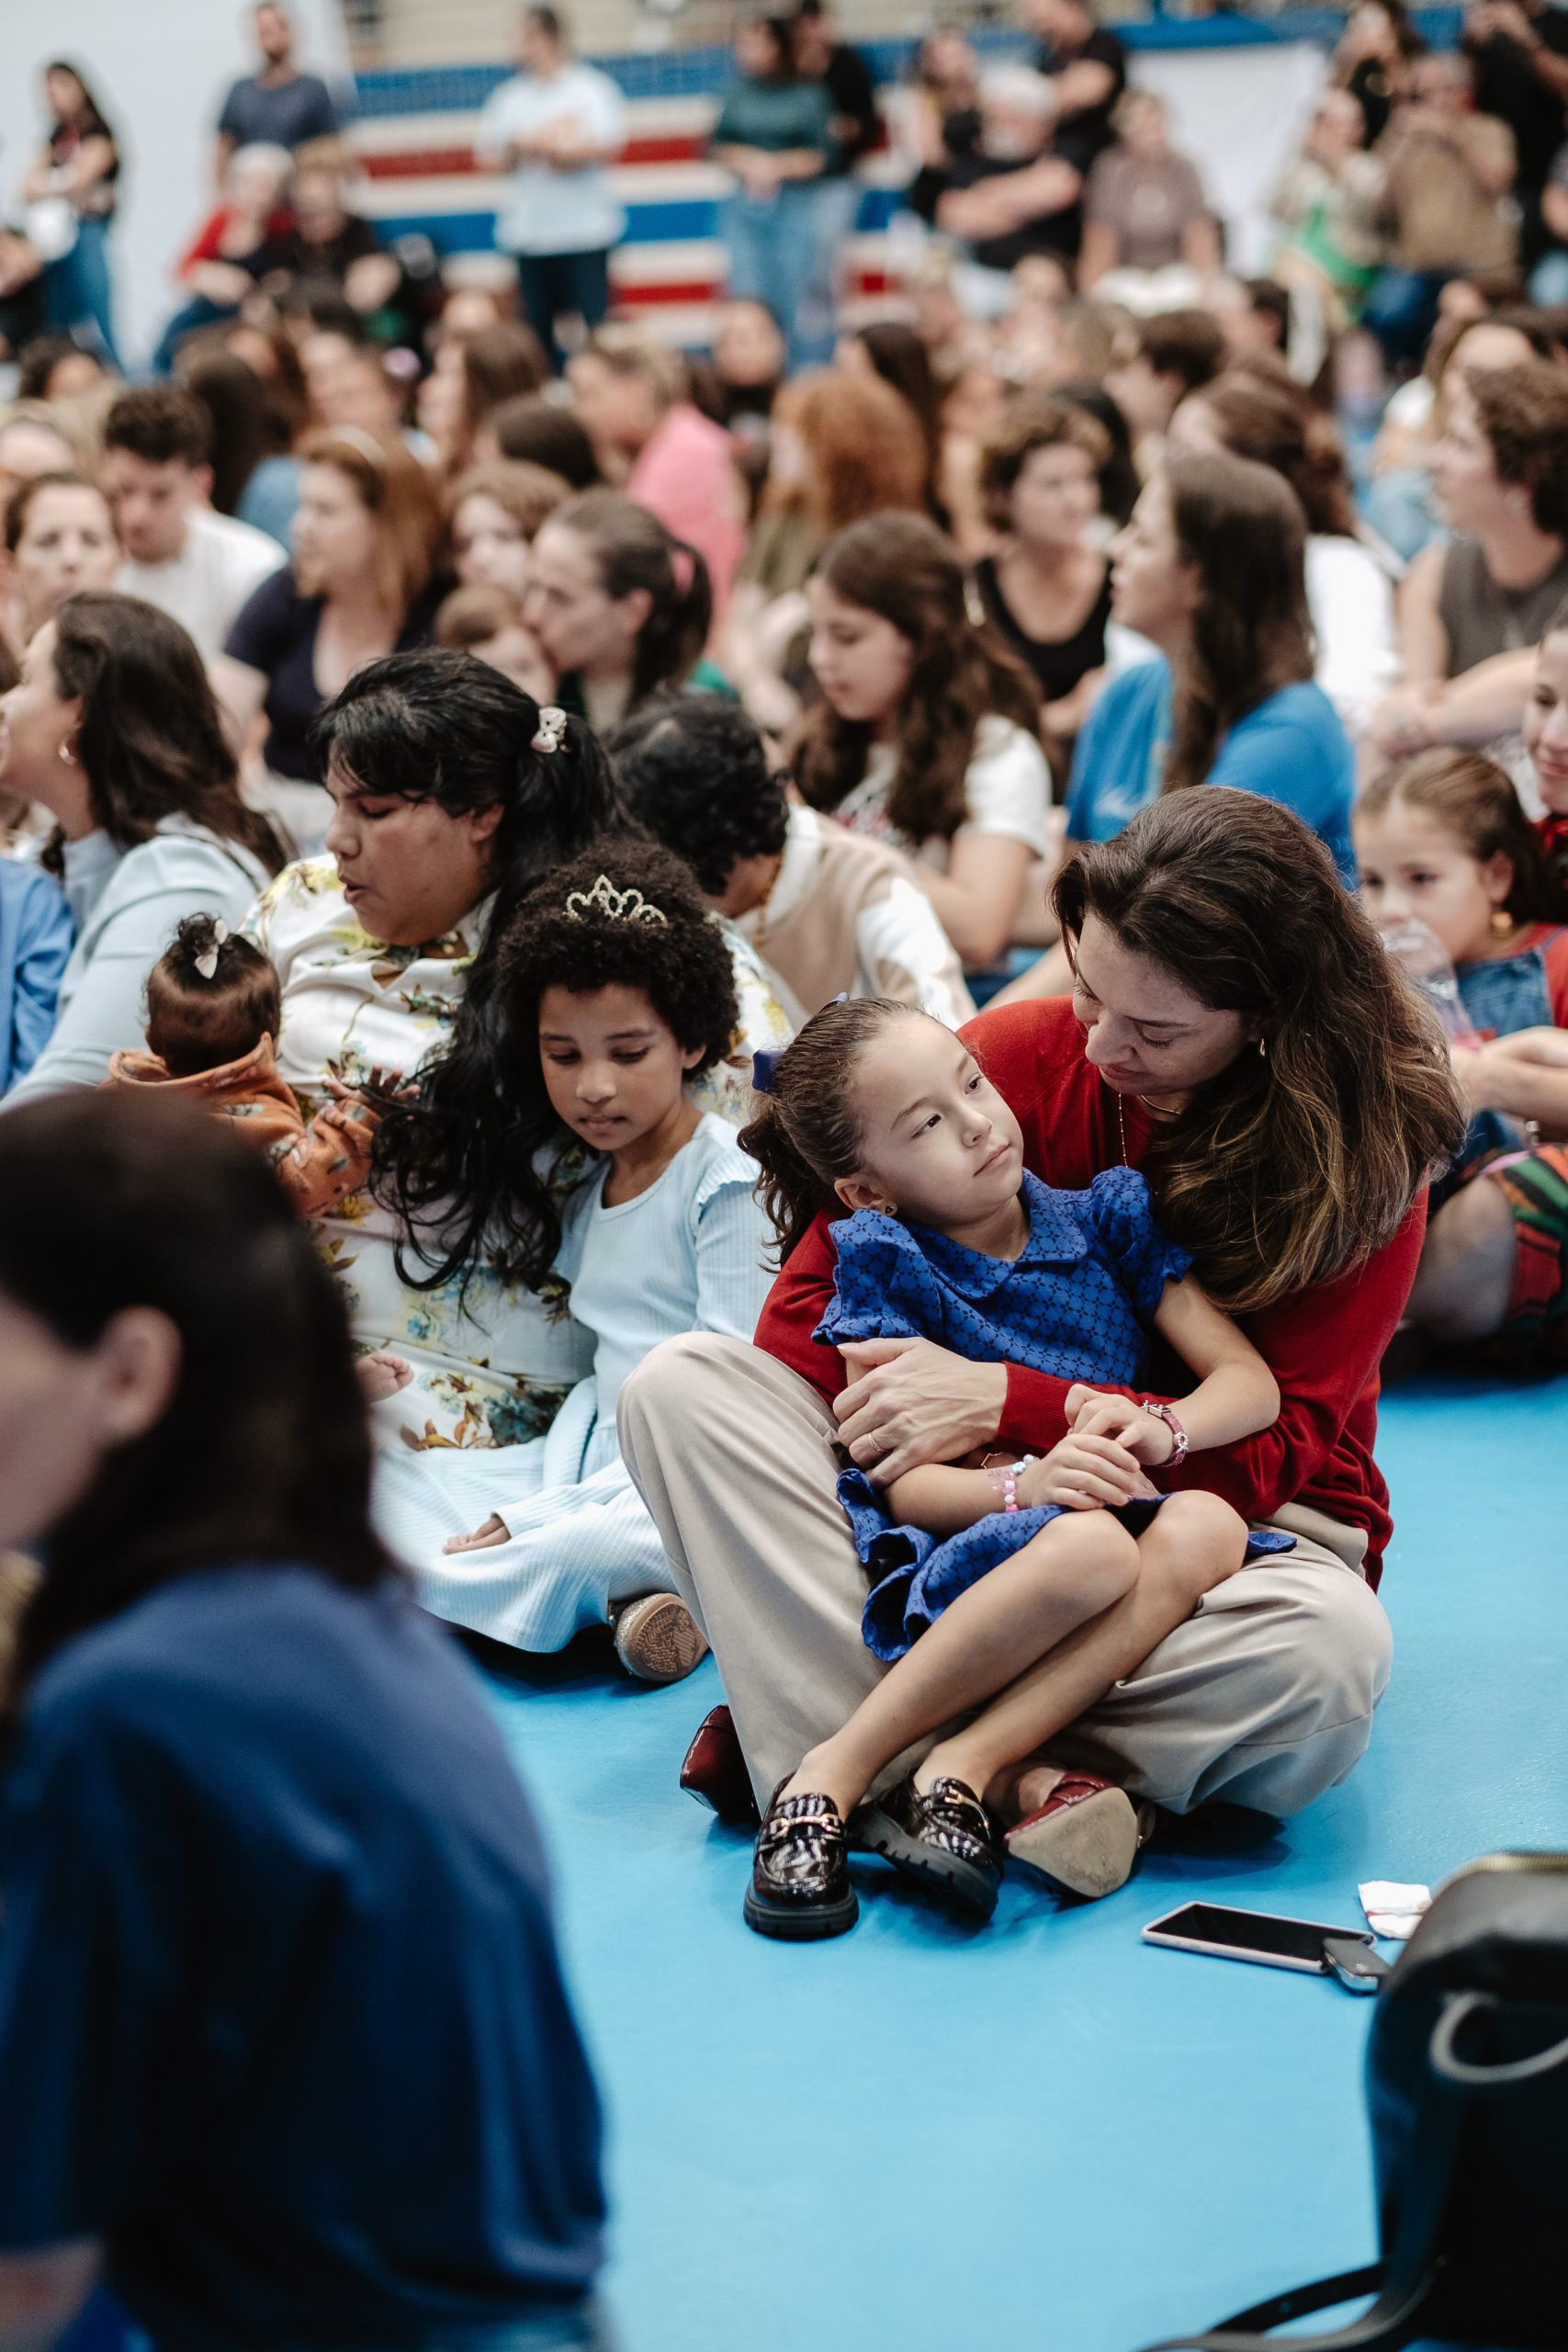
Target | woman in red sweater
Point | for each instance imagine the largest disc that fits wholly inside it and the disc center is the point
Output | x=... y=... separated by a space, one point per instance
x=1236 y=1031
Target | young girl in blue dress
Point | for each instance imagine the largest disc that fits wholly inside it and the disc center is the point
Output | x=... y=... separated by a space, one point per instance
x=614 y=990
x=979 y=1569
x=1444 y=840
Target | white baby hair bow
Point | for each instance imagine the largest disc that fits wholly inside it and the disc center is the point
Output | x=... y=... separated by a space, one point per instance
x=207 y=962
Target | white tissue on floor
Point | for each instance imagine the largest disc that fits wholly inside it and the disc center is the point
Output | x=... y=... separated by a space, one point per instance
x=1393 y=1910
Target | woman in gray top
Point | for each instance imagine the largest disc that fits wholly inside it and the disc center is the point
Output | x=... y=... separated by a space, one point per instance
x=114 y=729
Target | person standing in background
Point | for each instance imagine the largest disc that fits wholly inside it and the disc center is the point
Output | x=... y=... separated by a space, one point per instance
x=79 y=165
x=278 y=107
x=555 y=126
x=774 y=134
x=1519 y=51
x=1449 y=175
x=1086 y=67
x=820 y=55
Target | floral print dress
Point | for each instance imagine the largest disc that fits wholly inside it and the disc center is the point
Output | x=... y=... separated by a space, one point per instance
x=492 y=1364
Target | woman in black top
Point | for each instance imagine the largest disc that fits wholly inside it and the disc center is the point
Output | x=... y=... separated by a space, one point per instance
x=1046 y=588
x=366 y=536
x=79 y=164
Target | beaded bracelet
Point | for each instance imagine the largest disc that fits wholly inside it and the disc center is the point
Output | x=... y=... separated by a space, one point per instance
x=1004 y=1476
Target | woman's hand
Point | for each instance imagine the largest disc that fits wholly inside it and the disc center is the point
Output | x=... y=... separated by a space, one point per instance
x=494 y=1530
x=909 y=1402
x=1084 y=1474
x=1092 y=1412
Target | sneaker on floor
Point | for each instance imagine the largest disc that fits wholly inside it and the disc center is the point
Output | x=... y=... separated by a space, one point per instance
x=1086 y=1838
x=657 y=1638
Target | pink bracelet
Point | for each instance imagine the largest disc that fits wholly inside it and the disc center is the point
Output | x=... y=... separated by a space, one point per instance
x=1004 y=1478
x=1179 y=1442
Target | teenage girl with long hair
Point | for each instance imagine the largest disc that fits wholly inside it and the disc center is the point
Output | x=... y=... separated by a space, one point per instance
x=925 y=732
x=1349 y=593
x=621 y=607
x=1212 y=570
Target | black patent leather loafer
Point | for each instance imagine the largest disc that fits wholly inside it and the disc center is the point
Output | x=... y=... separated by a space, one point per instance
x=800 y=1887
x=943 y=1837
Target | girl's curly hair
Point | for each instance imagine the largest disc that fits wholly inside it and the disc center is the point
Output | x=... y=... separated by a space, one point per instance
x=469 y=1167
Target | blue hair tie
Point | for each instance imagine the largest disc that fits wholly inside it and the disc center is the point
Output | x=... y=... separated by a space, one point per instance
x=765 y=1069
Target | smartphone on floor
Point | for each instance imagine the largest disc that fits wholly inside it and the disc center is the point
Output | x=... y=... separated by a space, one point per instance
x=1260 y=1936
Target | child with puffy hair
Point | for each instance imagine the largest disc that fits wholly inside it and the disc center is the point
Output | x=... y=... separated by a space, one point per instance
x=212 y=1018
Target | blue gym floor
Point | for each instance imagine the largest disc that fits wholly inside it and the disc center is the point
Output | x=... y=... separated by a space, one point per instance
x=1041 y=2134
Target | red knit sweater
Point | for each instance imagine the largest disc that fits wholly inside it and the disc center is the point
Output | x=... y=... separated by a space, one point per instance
x=1323 y=1345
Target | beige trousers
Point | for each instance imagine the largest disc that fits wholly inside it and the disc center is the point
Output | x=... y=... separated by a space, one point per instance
x=1265 y=1695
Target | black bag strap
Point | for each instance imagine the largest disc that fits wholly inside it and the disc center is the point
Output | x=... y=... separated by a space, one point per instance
x=1390 y=2322
x=1406 y=2278
x=1464 y=2073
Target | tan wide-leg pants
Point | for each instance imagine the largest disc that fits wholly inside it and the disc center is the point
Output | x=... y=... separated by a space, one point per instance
x=1265 y=1696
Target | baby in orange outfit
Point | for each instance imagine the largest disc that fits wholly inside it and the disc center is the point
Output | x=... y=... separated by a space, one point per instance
x=212 y=1012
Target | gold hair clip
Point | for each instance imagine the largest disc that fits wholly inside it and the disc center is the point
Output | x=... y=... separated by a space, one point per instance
x=617 y=906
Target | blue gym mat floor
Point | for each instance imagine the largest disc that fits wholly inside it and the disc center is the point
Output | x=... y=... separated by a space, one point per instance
x=1046 y=2133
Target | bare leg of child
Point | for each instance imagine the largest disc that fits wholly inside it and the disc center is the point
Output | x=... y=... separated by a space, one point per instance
x=1073 y=1570
x=1193 y=1543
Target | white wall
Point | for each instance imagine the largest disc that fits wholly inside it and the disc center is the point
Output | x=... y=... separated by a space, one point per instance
x=159 y=69
x=1239 y=113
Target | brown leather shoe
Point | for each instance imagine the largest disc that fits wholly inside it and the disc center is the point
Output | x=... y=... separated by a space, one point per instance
x=1086 y=1838
x=715 y=1772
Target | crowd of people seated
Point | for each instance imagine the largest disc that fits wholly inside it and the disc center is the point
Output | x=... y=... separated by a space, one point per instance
x=558 y=801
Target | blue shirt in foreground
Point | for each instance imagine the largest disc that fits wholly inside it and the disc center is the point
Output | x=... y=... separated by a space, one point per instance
x=1291 y=749
x=281 y=2016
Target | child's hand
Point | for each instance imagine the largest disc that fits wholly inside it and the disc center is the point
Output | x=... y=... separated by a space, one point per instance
x=1092 y=1413
x=379 y=1089
x=1084 y=1473
x=382 y=1375
x=494 y=1530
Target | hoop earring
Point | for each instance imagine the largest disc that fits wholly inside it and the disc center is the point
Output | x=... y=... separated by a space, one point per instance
x=68 y=755
x=1263 y=1049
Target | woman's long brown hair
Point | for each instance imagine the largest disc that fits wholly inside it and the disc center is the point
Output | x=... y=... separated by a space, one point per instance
x=150 y=740
x=1300 y=1161
x=1241 y=525
x=902 y=567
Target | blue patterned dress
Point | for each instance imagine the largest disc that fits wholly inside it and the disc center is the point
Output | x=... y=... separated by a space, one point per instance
x=1076 y=1304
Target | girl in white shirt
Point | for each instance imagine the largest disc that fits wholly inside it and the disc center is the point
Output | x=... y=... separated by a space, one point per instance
x=925 y=734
